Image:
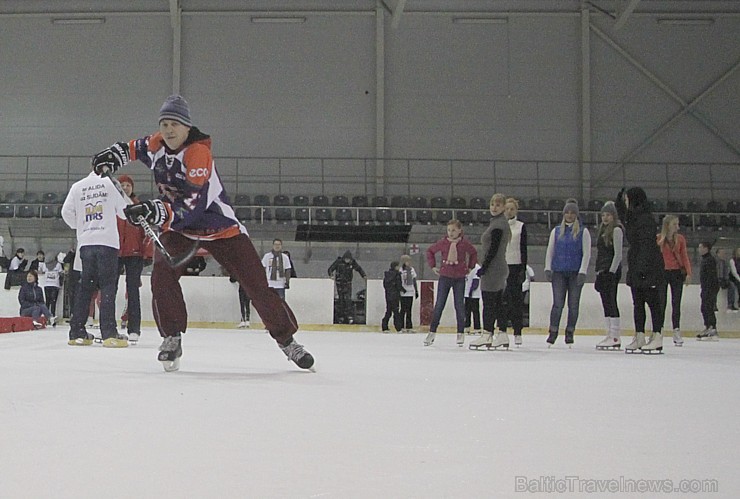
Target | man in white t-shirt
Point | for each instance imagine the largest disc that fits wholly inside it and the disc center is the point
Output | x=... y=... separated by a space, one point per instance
x=277 y=267
x=92 y=208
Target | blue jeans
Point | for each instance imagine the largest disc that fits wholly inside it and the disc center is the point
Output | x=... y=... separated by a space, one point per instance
x=565 y=283
x=458 y=292
x=99 y=271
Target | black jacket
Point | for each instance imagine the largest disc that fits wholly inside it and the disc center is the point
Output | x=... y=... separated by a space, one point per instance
x=29 y=295
x=708 y=275
x=392 y=284
x=343 y=270
x=644 y=259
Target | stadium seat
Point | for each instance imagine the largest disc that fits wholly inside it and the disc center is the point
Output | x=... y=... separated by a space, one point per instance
x=405 y=216
x=340 y=201
x=418 y=202
x=458 y=202
x=261 y=200
x=280 y=200
x=344 y=216
x=283 y=214
x=438 y=202
x=675 y=206
x=13 y=198
x=733 y=206
x=320 y=200
x=300 y=200
x=49 y=210
x=365 y=216
x=30 y=198
x=729 y=221
x=465 y=216
x=384 y=216
x=536 y=204
x=527 y=217
x=7 y=211
x=263 y=214
x=479 y=203
x=425 y=217
x=359 y=201
x=243 y=214
x=380 y=201
x=657 y=205
x=715 y=207
x=595 y=205
x=443 y=216
x=242 y=200
x=27 y=211
x=483 y=217
x=50 y=198
x=555 y=204
x=323 y=216
x=694 y=206
x=301 y=215
x=708 y=221
x=400 y=202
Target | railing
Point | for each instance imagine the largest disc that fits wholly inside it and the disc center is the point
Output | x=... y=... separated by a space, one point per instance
x=409 y=177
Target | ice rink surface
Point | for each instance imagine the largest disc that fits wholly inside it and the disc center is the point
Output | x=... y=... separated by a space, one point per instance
x=383 y=417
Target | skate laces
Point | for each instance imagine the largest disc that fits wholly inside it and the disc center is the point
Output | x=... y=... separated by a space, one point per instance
x=170 y=344
x=293 y=350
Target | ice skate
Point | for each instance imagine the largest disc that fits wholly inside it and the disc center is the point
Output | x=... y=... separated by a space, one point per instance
x=677 y=339
x=133 y=338
x=702 y=334
x=712 y=335
x=243 y=325
x=500 y=340
x=123 y=324
x=637 y=342
x=612 y=340
x=37 y=324
x=81 y=341
x=551 y=337
x=518 y=339
x=655 y=345
x=117 y=341
x=460 y=339
x=297 y=354
x=569 y=338
x=429 y=339
x=170 y=352
x=53 y=321
x=485 y=340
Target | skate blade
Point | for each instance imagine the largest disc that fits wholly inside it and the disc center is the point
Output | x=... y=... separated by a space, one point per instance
x=505 y=346
x=98 y=340
x=171 y=365
x=632 y=351
x=610 y=347
x=479 y=347
x=657 y=351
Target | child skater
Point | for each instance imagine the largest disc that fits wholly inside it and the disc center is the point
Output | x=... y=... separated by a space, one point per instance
x=393 y=289
x=608 y=273
x=457 y=257
x=410 y=291
x=472 y=301
x=709 y=279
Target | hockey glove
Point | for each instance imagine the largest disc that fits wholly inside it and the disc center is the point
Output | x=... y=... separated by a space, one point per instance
x=153 y=211
x=109 y=160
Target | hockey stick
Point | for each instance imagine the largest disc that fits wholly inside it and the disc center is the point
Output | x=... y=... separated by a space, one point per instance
x=173 y=262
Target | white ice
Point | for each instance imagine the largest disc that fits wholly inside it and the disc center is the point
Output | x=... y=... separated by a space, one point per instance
x=383 y=417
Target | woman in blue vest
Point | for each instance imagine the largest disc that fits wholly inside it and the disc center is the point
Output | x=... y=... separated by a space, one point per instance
x=566 y=264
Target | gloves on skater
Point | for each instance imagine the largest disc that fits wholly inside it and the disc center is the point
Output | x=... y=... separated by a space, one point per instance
x=480 y=272
x=111 y=158
x=154 y=211
x=548 y=275
x=581 y=279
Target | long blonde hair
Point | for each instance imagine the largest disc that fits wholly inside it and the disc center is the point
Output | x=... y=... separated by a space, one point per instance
x=664 y=238
x=576 y=228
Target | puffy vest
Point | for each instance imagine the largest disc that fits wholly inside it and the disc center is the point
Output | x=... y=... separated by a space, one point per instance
x=568 y=252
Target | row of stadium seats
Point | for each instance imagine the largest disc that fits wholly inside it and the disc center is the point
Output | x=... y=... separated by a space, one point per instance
x=436 y=202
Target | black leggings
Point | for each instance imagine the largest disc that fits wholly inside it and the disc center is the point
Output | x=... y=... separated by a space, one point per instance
x=514 y=298
x=674 y=279
x=493 y=310
x=407 y=303
x=651 y=298
x=607 y=285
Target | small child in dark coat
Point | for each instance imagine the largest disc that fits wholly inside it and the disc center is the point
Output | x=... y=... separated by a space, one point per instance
x=709 y=279
x=393 y=289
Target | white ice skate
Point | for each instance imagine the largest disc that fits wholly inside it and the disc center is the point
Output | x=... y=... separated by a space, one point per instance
x=612 y=340
x=429 y=340
x=637 y=342
x=712 y=335
x=500 y=340
x=460 y=339
x=518 y=340
x=133 y=338
x=655 y=345
x=677 y=338
x=485 y=340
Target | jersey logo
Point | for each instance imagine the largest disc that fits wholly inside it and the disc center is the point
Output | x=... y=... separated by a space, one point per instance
x=198 y=172
x=93 y=211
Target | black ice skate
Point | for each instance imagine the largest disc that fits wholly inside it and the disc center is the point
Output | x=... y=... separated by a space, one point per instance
x=569 y=338
x=551 y=338
x=170 y=352
x=297 y=354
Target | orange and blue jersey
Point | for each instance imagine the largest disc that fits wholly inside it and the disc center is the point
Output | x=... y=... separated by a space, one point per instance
x=190 y=186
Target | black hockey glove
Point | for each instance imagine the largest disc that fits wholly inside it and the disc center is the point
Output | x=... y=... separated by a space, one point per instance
x=111 y=158
x=153 y=211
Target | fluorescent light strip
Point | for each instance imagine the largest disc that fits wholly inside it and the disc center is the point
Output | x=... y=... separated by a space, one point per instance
x=279 y=20
x=480 y=20
x=685 y=21
x=78 y=20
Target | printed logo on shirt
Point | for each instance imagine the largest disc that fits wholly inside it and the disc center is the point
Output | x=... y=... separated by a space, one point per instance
x=93 y=211
x=198 y=172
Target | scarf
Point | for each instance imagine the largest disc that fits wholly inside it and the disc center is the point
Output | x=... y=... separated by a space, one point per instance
x=277 y=270
x=452 y=254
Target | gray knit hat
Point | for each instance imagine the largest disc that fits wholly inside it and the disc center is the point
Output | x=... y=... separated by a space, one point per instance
x=609 y=207
x=176 y=108
x=571 y=206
